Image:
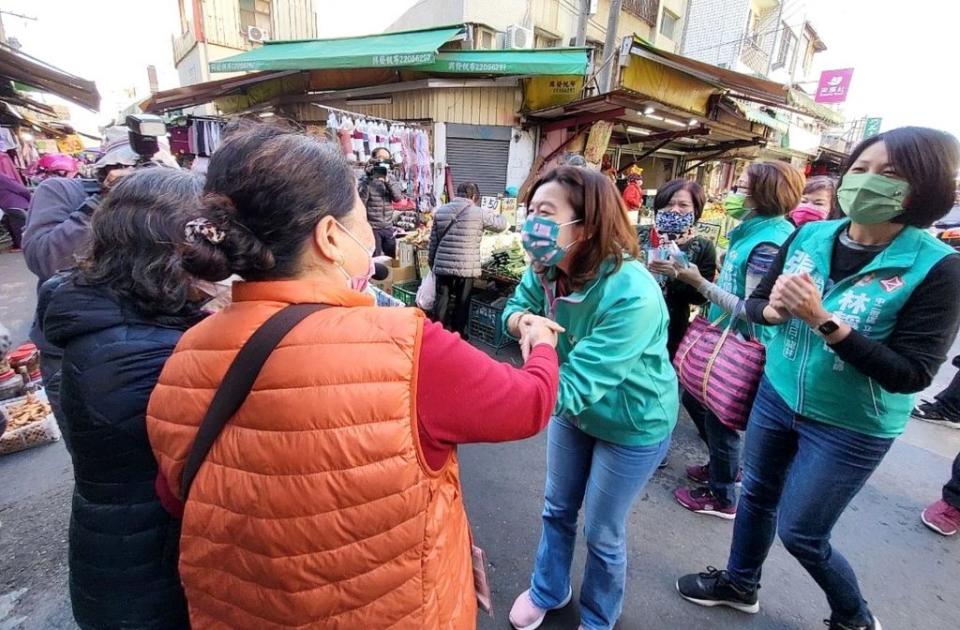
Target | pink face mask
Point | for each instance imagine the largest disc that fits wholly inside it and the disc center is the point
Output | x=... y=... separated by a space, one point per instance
x=805 y=213
x=359 y=283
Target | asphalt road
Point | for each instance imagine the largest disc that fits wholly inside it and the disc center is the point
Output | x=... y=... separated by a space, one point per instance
x=910 y=575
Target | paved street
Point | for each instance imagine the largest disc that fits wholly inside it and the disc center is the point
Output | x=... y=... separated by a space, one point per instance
x=909 y=574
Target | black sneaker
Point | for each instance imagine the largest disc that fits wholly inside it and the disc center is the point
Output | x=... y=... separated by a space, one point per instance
x=933 y=413
x=714 y=588
x=833 y=624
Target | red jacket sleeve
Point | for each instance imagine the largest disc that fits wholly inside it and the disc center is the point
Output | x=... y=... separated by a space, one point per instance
x=465 y=396
x=632 y=196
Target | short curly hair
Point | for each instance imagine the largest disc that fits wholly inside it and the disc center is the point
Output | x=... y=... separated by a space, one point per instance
x=138 y=234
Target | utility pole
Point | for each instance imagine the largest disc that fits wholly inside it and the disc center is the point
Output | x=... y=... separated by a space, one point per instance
x=582 y=20
x=610 y=46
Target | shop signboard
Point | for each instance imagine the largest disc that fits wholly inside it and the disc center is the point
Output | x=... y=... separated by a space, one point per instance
x=834 y=85
x=551 y=91
x=872 y=127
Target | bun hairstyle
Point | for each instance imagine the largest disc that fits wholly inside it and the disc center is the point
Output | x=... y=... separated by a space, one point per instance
x=266 y=190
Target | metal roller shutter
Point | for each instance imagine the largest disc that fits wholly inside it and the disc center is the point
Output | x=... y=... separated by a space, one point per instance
x=483 y=162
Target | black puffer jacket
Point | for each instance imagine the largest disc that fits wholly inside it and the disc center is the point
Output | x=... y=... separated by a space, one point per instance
x=123 y=544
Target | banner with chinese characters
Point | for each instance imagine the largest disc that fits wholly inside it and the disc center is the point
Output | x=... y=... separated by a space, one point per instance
x=550 y=91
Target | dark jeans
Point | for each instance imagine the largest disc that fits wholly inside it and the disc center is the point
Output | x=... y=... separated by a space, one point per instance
x=453 y=303
x=386 y=242
x=724 y=446
x=951 y=491
x=949 y=398
x=803 y=474
x=13 y=220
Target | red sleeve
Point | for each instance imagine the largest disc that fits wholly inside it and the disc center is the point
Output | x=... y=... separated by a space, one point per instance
x=465 y=396
x=632 y=197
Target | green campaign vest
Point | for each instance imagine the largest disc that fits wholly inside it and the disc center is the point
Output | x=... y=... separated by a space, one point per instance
x=743 y=240
x=809 y=376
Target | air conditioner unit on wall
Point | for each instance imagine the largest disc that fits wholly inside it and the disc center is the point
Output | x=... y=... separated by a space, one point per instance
x=519 y=37
x=257 y=35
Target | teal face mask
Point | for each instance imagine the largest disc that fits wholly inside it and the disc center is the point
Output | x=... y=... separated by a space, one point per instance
x=869 y=199
x=539 y=238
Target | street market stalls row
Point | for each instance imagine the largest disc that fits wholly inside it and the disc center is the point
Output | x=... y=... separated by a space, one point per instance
x=468 y=101
x=30 y=128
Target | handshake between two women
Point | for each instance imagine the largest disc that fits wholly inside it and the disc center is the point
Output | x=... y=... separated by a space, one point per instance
x=533 y=330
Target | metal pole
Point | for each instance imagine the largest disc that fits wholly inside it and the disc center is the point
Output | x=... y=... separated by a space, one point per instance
x=610 y=46
x=582 y=22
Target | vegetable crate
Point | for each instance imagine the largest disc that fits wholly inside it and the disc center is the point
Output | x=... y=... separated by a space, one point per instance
x=486 y=321
x=407 y=292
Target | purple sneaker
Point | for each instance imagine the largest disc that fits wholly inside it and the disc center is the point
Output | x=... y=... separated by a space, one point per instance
x=702 y=501
x=701 y=474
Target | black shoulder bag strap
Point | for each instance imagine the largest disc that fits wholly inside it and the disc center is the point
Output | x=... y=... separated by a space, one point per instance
x=237 y=383
x=451 y=224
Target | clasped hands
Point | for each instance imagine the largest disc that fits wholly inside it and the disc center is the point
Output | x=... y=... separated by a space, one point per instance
x=796 y=295
x=534 y=330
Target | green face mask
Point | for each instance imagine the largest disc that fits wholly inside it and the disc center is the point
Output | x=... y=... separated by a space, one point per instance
x=870 y=199
x=733 y=204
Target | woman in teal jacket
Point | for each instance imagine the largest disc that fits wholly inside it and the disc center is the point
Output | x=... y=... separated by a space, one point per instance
x=863 y=311
x=617 y=403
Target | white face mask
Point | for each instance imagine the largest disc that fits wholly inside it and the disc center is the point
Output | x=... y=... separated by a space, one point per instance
x=359 y=283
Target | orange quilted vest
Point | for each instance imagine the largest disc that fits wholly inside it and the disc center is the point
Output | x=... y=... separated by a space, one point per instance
x=315 y=507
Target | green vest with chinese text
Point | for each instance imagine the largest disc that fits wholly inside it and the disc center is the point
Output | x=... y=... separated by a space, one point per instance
x=743 y=240
x=810 y=377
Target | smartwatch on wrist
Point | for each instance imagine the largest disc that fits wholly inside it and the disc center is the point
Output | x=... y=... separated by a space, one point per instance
x=828 y=327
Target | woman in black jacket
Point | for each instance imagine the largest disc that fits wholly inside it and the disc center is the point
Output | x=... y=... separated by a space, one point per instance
x=117 y=318
x=677 y=207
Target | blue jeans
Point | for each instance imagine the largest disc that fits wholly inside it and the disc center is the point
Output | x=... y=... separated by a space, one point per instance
x=803 y=474
x=724 y=446
x=606 y=478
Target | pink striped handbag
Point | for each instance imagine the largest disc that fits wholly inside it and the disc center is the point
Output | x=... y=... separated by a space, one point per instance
x=721 y=370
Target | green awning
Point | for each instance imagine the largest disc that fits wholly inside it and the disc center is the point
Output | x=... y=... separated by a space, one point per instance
x=410 y=48
x=806 y=103
x=510 y=62
x=754 y=114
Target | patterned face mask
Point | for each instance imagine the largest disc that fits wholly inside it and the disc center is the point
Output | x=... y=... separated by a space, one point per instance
x=673 y=222
x=539 y=238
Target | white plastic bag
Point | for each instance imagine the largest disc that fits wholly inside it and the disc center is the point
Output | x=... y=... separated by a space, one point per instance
x=427 y=293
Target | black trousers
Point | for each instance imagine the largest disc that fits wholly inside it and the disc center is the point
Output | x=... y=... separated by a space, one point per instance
x=452 y=308
x=951 y=491
x=386 y=242
x=949 y=399
x=14 y=220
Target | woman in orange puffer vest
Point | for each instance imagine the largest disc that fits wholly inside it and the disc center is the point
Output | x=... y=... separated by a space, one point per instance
x=331 y=499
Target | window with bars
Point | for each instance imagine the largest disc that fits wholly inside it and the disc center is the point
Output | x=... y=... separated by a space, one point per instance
x=646 y=10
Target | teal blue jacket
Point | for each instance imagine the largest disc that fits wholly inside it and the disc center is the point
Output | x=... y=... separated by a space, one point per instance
x=616 y=380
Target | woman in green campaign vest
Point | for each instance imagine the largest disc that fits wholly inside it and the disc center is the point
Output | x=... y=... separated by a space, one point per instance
x=765 y=193
x=863 y=311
